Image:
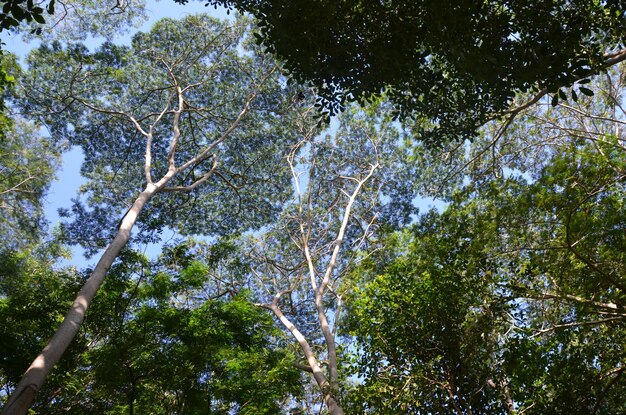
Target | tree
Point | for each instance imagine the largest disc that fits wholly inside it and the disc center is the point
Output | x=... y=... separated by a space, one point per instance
x=456 y=64
x=27 y=166
x=514 y=293
x=342 y=180
x=167 y=340
x=180 y=114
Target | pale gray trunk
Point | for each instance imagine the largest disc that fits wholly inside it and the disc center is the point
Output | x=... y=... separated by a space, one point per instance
x=333 y=407
x=321 y=380
x=26 y=390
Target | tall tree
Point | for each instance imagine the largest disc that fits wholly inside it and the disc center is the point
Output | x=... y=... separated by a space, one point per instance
x=183 y=114
x=515 y=291
x=299 y=262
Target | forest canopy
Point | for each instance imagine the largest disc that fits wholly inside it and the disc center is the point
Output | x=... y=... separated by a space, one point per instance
x=456 y=63
x=378 y=264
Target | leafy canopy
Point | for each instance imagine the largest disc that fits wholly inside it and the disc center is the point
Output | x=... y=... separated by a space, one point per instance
x=454 y=63
x=514 y=294
x=103 y=101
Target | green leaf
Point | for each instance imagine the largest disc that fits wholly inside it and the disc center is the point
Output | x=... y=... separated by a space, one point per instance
x=555 y=100
x=586 y=91
x=39 y=18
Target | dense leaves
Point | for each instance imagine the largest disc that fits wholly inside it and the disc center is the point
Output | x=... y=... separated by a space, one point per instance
x=514 y=294
x=33 y=299
x=27 y=166
x=159 y=345
x=104 y=101
x=443 y=293
x=456 y=63
x=16 y=11
x=71 y=19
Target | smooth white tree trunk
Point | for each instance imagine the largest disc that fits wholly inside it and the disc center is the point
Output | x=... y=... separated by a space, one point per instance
x=22 y=397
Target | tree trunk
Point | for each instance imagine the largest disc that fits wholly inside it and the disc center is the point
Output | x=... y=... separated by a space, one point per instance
x=316 y=370
x=22 y=397
x=331 y=404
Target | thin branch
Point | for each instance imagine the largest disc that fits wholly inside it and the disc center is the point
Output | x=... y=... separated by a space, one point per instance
x=576 y=324
x=302 y=367
x=584 y=259
x=610 y=59
x=195 y=184
x=113 y=112
x=15 y=188
x=609 y=306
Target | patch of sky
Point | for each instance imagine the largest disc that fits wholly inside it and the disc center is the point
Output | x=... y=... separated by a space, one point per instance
x=425 y=204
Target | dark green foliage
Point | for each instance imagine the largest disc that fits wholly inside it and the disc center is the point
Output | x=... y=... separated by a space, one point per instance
x=456 y=63
x=33 y=299
x=426 y=324
x=16 y=11
x=171 y=351
x=513 y=297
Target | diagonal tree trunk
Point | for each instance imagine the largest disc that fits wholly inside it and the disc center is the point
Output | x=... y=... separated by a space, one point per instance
x=26 y=390
x=22 y=397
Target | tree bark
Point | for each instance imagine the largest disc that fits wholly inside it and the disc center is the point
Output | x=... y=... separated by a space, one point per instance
x=22 y=397
x=316 y=370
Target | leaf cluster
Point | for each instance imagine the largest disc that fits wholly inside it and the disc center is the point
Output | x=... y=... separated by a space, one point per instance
x=158 y=346
x=16 y=11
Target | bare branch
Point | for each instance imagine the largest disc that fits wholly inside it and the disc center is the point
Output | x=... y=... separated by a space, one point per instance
x=576 y=324
x=176 y=127
x=344 y=225
x=196 y=183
